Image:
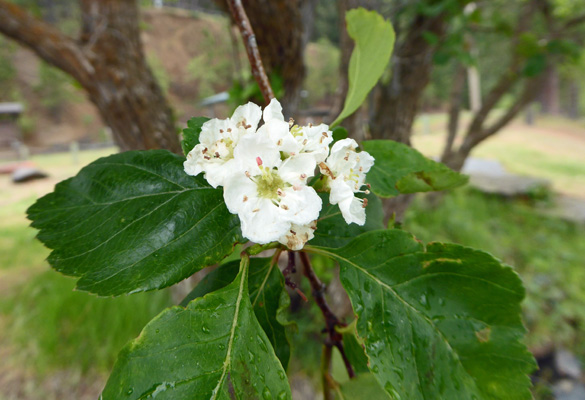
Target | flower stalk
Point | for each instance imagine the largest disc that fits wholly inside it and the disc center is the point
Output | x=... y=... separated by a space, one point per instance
x=334 y=339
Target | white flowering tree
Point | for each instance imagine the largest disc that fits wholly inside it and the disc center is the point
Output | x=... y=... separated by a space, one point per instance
x=435 y=321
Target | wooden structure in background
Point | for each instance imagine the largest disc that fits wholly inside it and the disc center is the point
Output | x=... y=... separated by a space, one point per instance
x=10 y=134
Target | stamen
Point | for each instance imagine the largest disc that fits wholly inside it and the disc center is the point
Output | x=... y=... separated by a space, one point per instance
x=207 y=157
x=325 y=170
x=256 y=210
x=293 y=232
x=280 y=192
x=229 y=129
x=258 y=161
x=303 y=176
x=291 y=122
x=248 y=175
x=221 y=131
x=216 y=154
x=279 y=143
x=305 y=142
x=204 y=151
x=365 y=203
x=284 y=206
x=245 y=198
x=310 y=125
x=247 y=126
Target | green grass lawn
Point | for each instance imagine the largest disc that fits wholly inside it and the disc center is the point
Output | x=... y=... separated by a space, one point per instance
x=553 y=149
x=45 y=325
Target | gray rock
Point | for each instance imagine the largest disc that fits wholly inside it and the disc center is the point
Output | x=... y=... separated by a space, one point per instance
x=567 y=365
x=568 y=390
x=26 y=174
x=490 y=176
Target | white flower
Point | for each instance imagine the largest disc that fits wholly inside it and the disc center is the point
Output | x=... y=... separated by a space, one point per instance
x=218 y=139
x=346 y=170
x=298 y=235
x=309 y=142
x=269 y=194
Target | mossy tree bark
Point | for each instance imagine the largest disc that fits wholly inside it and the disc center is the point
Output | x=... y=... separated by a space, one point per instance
x=108 y=62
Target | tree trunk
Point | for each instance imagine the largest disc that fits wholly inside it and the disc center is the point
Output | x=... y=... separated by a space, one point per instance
x=550 y=95
x=108 y=61
x=280 y=33
x=396 y=102
x=454 y=109
x=574 y=99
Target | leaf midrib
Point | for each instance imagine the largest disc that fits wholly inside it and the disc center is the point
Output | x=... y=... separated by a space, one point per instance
x=402 y=300
x=228 y=360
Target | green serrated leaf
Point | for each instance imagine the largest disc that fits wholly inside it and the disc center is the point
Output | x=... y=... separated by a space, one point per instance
x=333 y=231
x=401 y=169
x=374 y=41
x=132 y=222
x=266 y=285
x=437 y=323
x=191 y=133
x=212 y=349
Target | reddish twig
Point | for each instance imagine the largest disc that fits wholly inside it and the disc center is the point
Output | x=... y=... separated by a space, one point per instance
x=243 y=23
x=331 y=321
x=291 y=269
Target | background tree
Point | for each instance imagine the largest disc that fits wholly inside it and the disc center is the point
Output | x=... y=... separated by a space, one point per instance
x=282 y=29
x=539 y=39
x=107 y=59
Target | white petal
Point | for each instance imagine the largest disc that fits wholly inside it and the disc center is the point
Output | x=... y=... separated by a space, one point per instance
x=352 y=211
x=301 y=206
x=294 y=168
x=317 y=143
x=193 y=163
x=217 y=172
x=340 y=191
x=273 y=111
x=248 y=114
x=279 y=134
x=262 y=222
x=341 y=146
x=238 y=192
x=254 y=148
x=211 y=131
x=366 y=161
x=298 y=235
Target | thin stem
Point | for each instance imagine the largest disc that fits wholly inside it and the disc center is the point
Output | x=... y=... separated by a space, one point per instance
x=331 y=321
x=243 y=23
x=291 y=269
x=326 y=372
x=259 y=248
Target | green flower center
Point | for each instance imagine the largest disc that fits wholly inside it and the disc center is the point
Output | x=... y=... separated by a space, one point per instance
x=268 y=183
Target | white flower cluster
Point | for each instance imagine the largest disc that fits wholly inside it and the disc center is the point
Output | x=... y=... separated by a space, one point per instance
x=264 y=172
